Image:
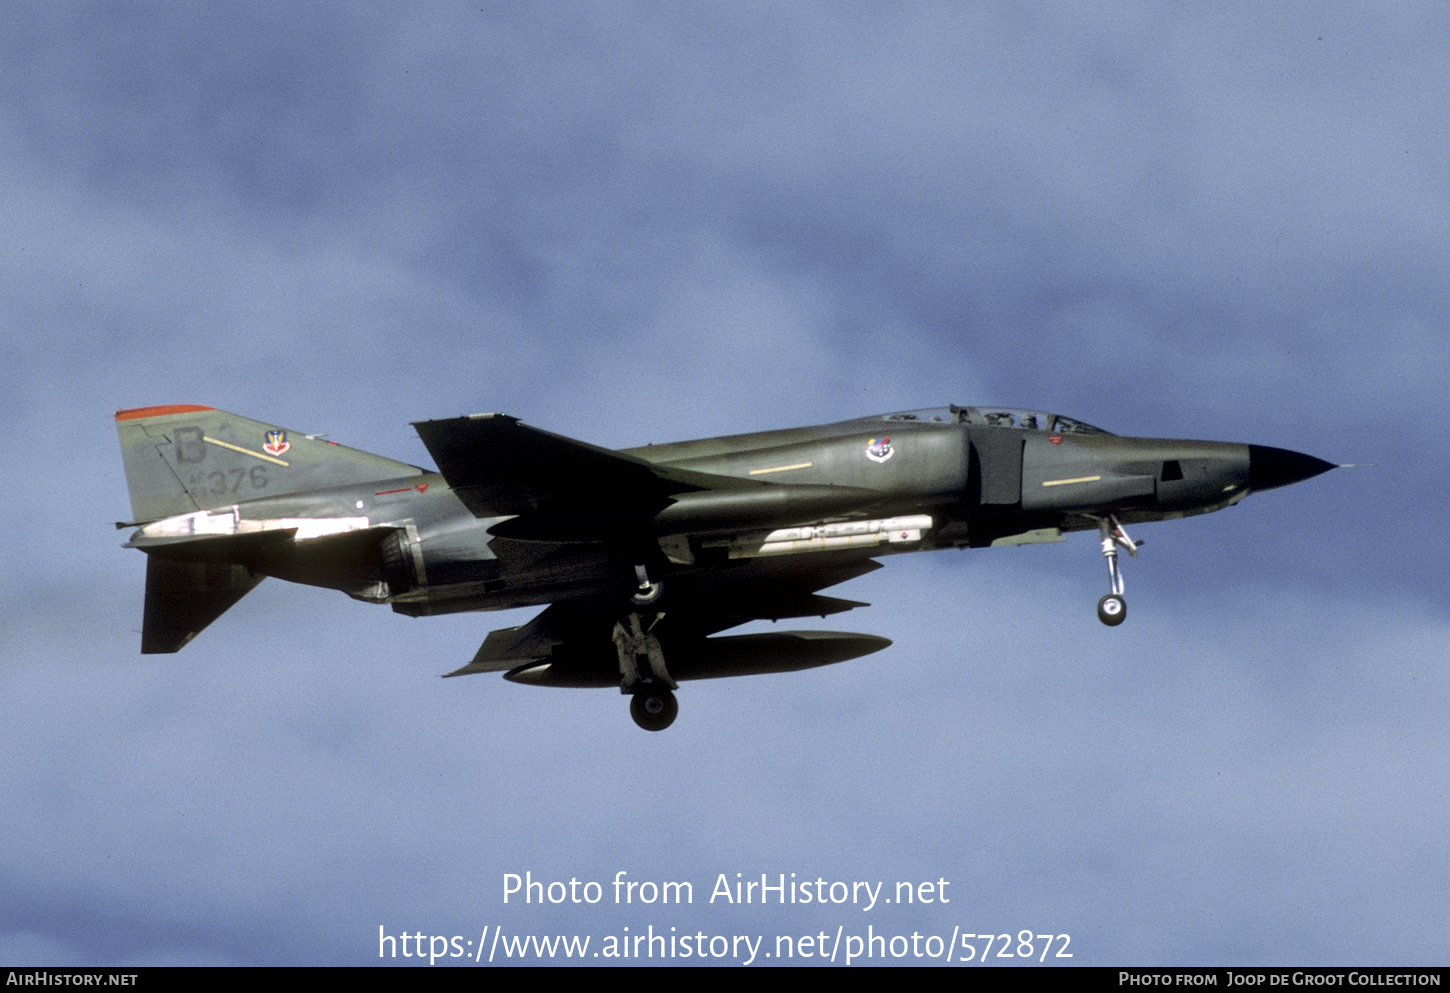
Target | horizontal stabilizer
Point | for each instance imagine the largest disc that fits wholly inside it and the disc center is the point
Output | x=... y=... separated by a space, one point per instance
x=182 y=598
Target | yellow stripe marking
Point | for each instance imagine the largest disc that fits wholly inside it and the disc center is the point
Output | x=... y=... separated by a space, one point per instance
x=245 y=451
x=1080 y=479
x=781 y=468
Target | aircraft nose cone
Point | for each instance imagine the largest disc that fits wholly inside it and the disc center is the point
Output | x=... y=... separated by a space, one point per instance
x=1271 y=467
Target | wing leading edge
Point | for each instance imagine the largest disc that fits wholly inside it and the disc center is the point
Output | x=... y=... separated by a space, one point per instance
x=500 y=466
x=557 y=489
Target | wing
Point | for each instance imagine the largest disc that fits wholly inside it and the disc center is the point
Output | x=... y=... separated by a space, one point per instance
x=499 y=466
x=556 y=489
x=573 y=640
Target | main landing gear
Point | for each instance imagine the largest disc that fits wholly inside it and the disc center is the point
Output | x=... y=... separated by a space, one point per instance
x=654 y=710
x=1113 y=608
x=642 y=672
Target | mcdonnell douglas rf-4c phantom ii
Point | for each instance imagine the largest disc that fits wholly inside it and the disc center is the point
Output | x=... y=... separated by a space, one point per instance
x=644 y=554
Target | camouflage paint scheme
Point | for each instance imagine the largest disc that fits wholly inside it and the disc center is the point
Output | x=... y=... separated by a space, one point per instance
x=644 y=555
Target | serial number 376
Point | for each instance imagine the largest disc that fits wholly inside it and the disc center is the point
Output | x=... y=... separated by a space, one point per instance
x=219 y=483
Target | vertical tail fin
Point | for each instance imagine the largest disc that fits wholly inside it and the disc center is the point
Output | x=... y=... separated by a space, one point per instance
x=184 y=458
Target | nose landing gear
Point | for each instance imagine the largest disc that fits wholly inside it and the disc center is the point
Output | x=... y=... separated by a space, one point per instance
x=1113 y=608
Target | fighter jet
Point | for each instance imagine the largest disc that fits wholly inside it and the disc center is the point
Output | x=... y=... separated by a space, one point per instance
x=643 y=555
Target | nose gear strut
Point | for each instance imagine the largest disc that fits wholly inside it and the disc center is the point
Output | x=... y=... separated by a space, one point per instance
x=1113 y=608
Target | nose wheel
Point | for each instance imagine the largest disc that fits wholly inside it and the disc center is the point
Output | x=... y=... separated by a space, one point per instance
x=1113 y=608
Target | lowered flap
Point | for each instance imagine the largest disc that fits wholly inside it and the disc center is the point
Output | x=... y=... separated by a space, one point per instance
x=508 y=648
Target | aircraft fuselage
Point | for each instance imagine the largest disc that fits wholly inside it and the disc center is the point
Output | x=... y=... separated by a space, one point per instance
x=734 y=528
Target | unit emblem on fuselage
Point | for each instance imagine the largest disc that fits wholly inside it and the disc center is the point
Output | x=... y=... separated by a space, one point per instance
x=879 y=450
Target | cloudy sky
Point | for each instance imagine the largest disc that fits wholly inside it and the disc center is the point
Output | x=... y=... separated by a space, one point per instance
x=641 y=222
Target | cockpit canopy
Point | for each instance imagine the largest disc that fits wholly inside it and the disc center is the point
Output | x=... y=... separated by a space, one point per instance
x=1000 y=417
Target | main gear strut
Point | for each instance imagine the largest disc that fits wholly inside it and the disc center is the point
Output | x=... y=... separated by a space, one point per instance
x=653 y=706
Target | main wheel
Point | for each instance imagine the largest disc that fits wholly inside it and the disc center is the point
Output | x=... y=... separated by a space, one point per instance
x=1112 y=610
x=654 y=710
